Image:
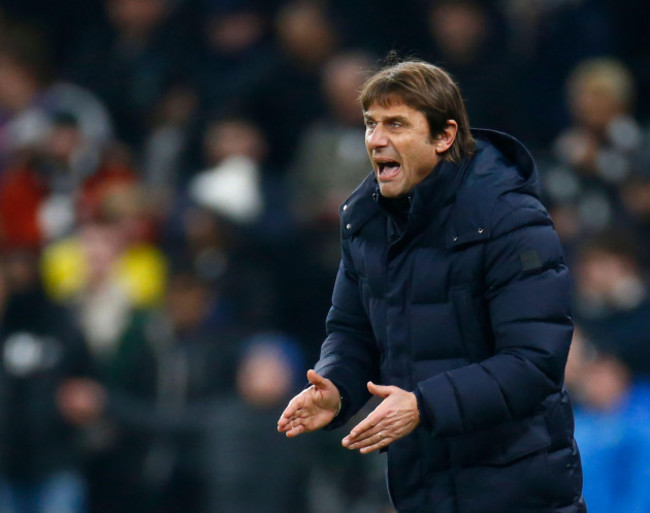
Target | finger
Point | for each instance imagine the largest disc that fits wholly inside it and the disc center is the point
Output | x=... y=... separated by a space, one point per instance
x=288 y=422
x=292 y=409
x=374 y=447
x=361 y=431
x=298 y=426
x=378 y=390
x=295 y=431
x=371 y=443
x=370 y=422
x=289 y=412
x=284 y=424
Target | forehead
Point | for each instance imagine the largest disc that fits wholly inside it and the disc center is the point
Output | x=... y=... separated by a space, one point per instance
x=390 y=107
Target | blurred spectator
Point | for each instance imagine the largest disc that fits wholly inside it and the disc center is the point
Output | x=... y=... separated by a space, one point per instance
x=59 y=23
x=632 y=36
x=44 y=196
x=635 y=197
x=129 y=63
x=598 y=152
x=604 y=137
x=243 y=449
x=548 y=40
x=288 y=99
x=379 y=27
x=235 y=150
x=47 y=393
x=103 y=274
x=611 y=419
x=330 y=159
x=468 y=39
x=237 y=54
x=330 y=162
x=31 y=95
x=612 y=301
x=104 y=277
x=236 y=221
x=242 y=269
x=170 y=370
x=166 y=148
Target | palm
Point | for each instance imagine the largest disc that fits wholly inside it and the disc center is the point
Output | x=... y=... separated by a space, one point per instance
x=311 y=409
x=320 y=406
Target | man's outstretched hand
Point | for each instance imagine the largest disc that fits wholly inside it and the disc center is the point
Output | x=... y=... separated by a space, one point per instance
x=395 y=417
x=311 y=409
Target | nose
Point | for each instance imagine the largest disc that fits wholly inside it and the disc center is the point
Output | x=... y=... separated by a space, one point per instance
x=376 y=138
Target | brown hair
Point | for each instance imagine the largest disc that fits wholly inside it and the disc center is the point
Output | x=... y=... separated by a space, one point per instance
x=609 y=76
x=428 y=89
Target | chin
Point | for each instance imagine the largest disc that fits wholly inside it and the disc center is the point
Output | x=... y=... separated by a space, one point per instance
x=389 y=191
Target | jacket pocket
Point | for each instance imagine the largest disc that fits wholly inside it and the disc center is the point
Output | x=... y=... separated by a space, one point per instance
x=471 y=316
x=502 y=444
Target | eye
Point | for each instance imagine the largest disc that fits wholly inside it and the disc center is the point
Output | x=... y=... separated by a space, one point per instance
x=370 y=123
x=394 y=124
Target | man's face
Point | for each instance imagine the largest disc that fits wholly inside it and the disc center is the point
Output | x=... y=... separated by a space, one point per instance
x=400 y=147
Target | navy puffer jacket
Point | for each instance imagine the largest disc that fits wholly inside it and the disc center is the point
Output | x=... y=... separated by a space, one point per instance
x=468 y=306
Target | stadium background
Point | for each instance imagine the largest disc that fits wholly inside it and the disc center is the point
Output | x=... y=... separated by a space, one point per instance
x=170 y=172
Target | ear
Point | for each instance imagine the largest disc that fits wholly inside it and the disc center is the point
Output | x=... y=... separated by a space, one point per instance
x=443 y=141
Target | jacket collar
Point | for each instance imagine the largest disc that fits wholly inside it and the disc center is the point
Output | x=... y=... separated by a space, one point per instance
x=437 y=189
x=500 y=164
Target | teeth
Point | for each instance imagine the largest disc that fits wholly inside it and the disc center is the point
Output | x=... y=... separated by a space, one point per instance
x=385 y=165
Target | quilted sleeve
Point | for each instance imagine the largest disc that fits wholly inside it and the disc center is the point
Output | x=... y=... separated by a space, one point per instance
x=528 y=297
x=349 y=354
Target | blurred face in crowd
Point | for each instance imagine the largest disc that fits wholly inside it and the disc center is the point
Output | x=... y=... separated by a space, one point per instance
x=305 y=32
x=20 y=271
x=599 y=91
x=595 y=104
x=599 y=381
x=606 y=383
x=102 y=246
x=63 y=141
x=233 y=32
x=601 y=274
x=343 y=77
x=17 y=86
x=136 y=17
x=187 y=301
x=264 y=376
x=459 y=29
x=636 y=197
x=400 y=145
x=232 y=138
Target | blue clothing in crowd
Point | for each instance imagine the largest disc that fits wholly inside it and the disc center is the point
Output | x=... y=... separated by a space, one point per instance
x=615 y=449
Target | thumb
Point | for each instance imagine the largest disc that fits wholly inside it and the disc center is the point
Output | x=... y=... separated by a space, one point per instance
x=378 y=390
x=315 y=379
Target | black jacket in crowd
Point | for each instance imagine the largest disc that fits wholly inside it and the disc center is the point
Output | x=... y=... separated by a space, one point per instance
x=39 y=348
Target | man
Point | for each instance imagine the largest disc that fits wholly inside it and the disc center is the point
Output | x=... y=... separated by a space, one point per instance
x=47 y=394
x=453 y=293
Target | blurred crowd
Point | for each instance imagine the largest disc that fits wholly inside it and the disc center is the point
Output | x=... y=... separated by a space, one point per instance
x=170 y=176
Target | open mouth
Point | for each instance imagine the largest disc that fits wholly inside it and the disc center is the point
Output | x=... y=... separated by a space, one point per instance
x=388 y=169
